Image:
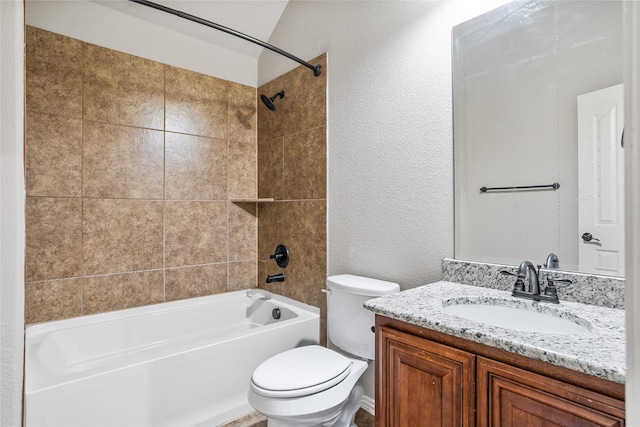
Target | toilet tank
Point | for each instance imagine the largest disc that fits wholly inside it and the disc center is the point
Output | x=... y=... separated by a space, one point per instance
x=349 y=325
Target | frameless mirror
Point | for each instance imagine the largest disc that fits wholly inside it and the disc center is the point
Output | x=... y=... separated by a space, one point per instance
x=538 y=101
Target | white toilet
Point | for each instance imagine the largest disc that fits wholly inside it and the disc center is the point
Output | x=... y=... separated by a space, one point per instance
x=316 y=386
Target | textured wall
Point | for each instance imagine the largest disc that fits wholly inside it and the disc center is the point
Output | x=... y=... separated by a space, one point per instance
x=632 y=204
x=389 y=140
x=390 y=167
x=12 y=200
x=130 y=165
x=292 y=165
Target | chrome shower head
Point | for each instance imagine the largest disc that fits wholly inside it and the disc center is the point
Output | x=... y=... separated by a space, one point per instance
x=269 y=101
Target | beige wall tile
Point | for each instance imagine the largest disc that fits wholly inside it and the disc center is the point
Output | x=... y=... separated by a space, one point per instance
x=122 y=235
x=113 y=154
x=196 y=104
x=191 y=282
x=242 y=275
x=269 y=268
x=271 y=169
x=307 y=253
x=307 y=287
x=301 y=222
x=243 y=170
x=270 y=229
x=122 y=162
x=119 y=291
x=122 y=89
x=53 y=67
x=242 y=113
x=53 y=153
x=196 y=233
x=306 y=237
x=196 y=167
x=305 y=165
x=271 y=124
x=53 y=300
x=243 y=231
x=305 y=218
x=306 y=98
x=54 y=238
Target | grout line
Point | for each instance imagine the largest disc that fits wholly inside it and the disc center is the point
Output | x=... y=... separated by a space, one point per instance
x=82 y=177
x=164 y=185
x=228 y=204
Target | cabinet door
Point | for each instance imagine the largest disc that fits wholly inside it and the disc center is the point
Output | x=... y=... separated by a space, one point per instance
x=423 y=383
x=512 y=397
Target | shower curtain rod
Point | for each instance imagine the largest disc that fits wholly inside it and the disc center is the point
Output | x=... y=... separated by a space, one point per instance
x=317 y=69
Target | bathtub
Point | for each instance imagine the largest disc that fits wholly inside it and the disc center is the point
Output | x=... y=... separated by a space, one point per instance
x=182 y=363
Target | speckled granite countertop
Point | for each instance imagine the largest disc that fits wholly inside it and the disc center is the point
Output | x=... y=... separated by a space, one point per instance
x=599 y=352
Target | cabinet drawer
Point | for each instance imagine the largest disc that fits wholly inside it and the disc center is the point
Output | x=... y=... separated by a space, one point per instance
x=509 y=396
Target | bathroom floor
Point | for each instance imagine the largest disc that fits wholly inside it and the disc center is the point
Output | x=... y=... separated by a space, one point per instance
x=255 y=419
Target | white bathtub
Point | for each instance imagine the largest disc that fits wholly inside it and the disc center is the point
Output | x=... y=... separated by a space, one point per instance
x=183 y=363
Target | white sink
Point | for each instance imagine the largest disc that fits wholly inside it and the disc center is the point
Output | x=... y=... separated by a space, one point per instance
x=515 y=318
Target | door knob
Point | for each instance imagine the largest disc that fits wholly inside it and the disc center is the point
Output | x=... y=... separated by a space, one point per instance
x=587 y=237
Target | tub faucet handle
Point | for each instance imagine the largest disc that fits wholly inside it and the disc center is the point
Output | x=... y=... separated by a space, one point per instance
x=281 y=256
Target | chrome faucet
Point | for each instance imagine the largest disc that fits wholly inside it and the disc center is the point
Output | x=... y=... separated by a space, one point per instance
x=552 y=261
x=550 y=294
x=534 y=284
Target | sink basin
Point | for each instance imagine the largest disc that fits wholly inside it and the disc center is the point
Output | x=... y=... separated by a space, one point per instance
x=517 y=319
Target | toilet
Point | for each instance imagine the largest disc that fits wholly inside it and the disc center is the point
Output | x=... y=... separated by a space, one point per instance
x=317 y=386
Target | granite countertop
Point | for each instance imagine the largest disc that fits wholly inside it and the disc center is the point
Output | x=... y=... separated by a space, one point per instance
x=599 y=352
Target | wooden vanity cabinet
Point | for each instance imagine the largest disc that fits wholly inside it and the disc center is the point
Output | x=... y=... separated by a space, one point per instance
x=512 y=397
x=426 y=378
x=424 y=383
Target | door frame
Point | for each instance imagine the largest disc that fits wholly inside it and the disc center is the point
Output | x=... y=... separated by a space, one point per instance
x=631 y=54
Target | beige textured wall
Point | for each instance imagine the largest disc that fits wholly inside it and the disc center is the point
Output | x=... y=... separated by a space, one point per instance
x=130 y=165
x=292 y=168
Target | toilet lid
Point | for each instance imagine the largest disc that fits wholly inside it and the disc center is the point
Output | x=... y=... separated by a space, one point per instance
x=300 y=372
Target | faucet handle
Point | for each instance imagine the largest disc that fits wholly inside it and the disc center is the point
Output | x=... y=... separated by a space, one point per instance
x=519 y=285
x=551 y=290
x=508 y=273
x=554 y=280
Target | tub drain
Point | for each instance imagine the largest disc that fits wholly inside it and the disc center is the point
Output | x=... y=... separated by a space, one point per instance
x=275 y=313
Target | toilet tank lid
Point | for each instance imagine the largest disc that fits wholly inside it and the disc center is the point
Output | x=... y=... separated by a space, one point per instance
x=361 y=285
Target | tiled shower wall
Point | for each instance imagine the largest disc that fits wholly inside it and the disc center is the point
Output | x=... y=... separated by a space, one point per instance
x=292 y=164
x=130 y=166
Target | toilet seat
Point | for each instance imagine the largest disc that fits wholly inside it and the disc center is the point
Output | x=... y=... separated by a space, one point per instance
x=300 y=372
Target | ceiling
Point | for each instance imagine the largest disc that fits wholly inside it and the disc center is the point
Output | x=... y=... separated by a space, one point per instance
x=149 y=33
x=256 y=18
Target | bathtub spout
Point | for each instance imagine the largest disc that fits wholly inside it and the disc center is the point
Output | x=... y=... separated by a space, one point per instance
x=275 y=278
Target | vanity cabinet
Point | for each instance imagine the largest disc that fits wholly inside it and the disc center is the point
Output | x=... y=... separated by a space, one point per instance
x=426 y=378
x=425 y=383
x=513 y=397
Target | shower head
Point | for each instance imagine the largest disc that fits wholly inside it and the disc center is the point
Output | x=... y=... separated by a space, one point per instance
x=269 y=101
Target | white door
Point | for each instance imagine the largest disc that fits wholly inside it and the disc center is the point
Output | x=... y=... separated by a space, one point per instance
x=601 y=182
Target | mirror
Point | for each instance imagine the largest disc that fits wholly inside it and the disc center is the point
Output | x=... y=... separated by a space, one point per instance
x=519 y=74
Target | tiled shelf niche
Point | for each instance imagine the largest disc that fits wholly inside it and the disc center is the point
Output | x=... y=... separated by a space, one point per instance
x=261 y=200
